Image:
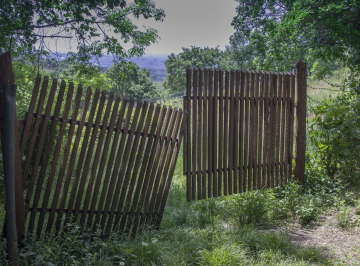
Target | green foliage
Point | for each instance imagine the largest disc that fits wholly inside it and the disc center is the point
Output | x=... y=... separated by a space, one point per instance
x=335 y=131
x=301 y=29
x=98 y=26
x=206 y=57
x=128 y=79
x=224 y=255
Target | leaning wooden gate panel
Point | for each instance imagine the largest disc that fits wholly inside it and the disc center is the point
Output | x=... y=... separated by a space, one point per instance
x=96 y=159
x=239 y=135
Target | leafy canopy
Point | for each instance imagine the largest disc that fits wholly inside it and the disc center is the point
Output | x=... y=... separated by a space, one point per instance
x=286 y=30
x=98 y=26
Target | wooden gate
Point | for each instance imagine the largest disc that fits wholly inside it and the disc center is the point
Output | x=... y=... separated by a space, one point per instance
x=95 y=159
x=239 y=135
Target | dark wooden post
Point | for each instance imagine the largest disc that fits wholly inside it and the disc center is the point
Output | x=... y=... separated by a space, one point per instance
x=7 y=76
x=300 y=142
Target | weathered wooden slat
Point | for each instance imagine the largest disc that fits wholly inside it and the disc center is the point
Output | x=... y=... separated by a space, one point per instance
x=28 y=115
x=34 y=131
x=95 y=163
x=273 y=89
x=210 y=141
x=246 y=132
x=226 y=135
x=278 y=130
x=115 y=184
x=42 y=136
x=129 y=167
x=89 y=159
x=194 y=137
x=231 y=134
x=292 y=109
x=214 y=139
x=39 y=187
x=205 y=132
x=73 y=158
x=257 y=181
x=242 y=180
x=80 y=162
x=236 y=132
x=187 y=144
x=260 y=131
x=135 y=178
x=221 y=130
x=124 y=163
x=287 y=125
x=103 y=181
x=63 y=165
x=251 y=175
x=266 y=162
x=107 y=189
x=201 y=125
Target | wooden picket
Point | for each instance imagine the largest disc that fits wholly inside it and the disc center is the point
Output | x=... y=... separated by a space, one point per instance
x=96 y=160
x=240 y=131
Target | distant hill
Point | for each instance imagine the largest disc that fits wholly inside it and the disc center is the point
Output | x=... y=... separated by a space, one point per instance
x=156 y=63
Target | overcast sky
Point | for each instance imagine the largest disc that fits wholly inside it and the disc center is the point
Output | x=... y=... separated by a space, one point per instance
x=192 y=22
x=187 y=22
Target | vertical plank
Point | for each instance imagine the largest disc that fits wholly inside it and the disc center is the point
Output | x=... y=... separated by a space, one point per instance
x=287 y=125
x=94 y=174
x=89 y=159
x=266 y=171
x=48 y=149
x=80 y=162
x=251 y=176
x=205 y=131
x=187 y=151
x=273 y=128
x=107 y=189
x=194 y=176
x=246 y=132
x=29 y=115
x=210 y=141
x=277 y=133
x=215 y=147
x=64 y=162
x=115 y=183
x=35 y=128
x=103 y=181
x=221 y=134
x=74 y=151
x=124 y=163
x=242 y=179
x=39 y=187
x=292 y=112
x=257 y=183
x=201 y=174
x=300 y=144
x=129 y=167
x=280 y=134
x=203 y=116
x=261 y=164
x=227 y=184
x=142 y=166
x=40 y=145
x=236 y=132
x=231 y=134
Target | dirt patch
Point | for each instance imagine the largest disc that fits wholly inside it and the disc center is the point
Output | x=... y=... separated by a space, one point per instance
x=339 y=244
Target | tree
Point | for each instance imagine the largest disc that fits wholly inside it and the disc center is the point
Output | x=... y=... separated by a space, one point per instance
x=128 y=79
x=99 y=26
x=206 y=57
x=309 y=30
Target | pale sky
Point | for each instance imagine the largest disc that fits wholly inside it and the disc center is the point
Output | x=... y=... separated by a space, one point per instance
x=187 y=22
x=192 y=22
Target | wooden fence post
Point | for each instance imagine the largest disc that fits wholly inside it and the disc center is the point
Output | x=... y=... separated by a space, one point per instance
x=300 y=142
x=7 y=76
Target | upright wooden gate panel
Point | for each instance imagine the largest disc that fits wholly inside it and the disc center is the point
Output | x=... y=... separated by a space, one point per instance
x=95 y=159
x=239 y=135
